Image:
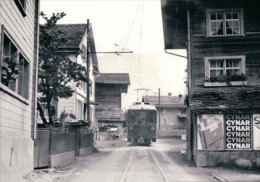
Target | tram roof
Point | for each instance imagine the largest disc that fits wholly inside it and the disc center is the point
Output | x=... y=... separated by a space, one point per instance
x=142 y=106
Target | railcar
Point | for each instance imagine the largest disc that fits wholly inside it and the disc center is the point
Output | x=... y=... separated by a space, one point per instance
x=141 y=123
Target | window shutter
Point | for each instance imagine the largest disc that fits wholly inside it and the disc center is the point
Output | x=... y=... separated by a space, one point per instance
x=206 y=64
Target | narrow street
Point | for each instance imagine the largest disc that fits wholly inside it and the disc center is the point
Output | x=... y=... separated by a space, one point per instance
x=162 y=161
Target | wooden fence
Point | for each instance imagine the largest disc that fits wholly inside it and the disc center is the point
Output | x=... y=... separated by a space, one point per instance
x=53 y=147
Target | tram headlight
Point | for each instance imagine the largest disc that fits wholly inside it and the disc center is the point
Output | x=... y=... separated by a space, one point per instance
x=131 y=128
x=153 y=128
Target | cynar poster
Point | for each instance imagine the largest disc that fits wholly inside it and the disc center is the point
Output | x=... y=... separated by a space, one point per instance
x=210 y=132
x=256 y=131
x=238 y=131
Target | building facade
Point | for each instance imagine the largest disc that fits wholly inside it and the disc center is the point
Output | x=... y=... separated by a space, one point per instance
x=109 y=113
x=18 y=84
x=221 y=38
x=75 y=49
x=171 y=114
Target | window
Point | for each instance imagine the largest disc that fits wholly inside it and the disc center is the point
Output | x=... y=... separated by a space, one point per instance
x=21 y=4
x=90 y=88
x=165 y=121
x=163 y=111
x=225 y=22
x=43 y=103
x=229 y=68
x=79 y=110
x=14 y=69
x=82 y=85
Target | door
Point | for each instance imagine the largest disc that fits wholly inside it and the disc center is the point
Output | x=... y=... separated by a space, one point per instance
x=42 y=148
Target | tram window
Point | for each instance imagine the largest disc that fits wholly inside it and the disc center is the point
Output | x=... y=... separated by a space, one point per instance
x=140 y=117
x=151 y=117
x=131 y=117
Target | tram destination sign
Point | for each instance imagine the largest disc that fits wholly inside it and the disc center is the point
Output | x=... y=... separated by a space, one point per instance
x=238 y=131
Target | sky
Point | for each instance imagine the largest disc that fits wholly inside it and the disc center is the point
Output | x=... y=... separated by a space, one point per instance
x=128 y=25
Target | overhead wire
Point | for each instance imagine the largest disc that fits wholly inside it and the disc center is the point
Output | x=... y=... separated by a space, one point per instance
x=140 y=44
x=124 y=41
x=125 y=38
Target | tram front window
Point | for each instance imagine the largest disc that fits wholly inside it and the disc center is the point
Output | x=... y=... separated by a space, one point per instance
x=140 y=117
x=151 y=117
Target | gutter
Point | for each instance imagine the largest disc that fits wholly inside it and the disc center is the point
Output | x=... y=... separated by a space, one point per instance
x=175 y=54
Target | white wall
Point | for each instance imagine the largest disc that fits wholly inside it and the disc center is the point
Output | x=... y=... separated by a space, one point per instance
x=16 y=144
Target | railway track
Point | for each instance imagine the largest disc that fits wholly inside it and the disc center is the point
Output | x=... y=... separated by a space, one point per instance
x=158 y=165
x=137 y=159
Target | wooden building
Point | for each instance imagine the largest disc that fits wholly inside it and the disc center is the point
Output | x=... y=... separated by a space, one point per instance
x=223 y=49
x=18 y=83
x=171 y=114
x=75 y=49
x=109 y=88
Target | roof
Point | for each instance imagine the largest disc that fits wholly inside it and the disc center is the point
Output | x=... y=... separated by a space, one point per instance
x=226 y=99
x=74 y=32
x=113 y=78
x=174 y=19
x=166 y=101
x=112 y=114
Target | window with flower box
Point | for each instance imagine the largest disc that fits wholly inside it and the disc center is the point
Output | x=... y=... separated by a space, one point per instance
x=225 y=69
x=14 y=68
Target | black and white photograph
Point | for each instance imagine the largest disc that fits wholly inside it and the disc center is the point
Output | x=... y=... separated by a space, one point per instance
x=129 y=91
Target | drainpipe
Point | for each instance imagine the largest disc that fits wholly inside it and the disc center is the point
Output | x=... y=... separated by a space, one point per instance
x=35 y=72
x=189 y=120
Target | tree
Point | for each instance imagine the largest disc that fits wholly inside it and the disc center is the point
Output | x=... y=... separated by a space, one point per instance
x=56 y=70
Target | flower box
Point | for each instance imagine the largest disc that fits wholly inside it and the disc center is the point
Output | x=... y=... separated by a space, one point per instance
x=225 y=84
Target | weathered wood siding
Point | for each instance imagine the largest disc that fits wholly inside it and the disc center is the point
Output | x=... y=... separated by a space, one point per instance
x=16 y=151
x=248 y=44
x=108 y=95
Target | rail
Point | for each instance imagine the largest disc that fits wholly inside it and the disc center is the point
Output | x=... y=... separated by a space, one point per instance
x=157 y=164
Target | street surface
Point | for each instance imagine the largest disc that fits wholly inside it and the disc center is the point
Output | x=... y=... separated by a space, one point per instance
x=135 y=164
x=119 y=161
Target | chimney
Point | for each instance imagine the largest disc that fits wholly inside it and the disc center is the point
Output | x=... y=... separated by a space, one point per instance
x=180 y=97
x=169 y=94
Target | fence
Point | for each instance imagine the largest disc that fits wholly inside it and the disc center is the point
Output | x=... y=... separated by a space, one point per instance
x=53 y=147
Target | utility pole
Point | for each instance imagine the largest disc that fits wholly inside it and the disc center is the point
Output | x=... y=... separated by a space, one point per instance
x=159 y=108
x=88 y=84
x=88 y=52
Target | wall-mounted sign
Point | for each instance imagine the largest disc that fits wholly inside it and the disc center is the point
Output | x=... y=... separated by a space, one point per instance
x=256 y=129
x=210 y=132
x=238 y=131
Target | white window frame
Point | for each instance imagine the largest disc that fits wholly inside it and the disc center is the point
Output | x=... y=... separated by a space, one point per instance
x=207 y=64
x=224 y=11
x=21 y=91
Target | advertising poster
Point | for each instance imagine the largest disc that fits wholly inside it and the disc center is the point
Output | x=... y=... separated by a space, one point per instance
x=210 y=132
x=238 y=131
x=256 y=131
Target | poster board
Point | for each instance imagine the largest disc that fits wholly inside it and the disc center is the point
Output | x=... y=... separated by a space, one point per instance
x=210 y=132
x=256 y=131
x=238 y=128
